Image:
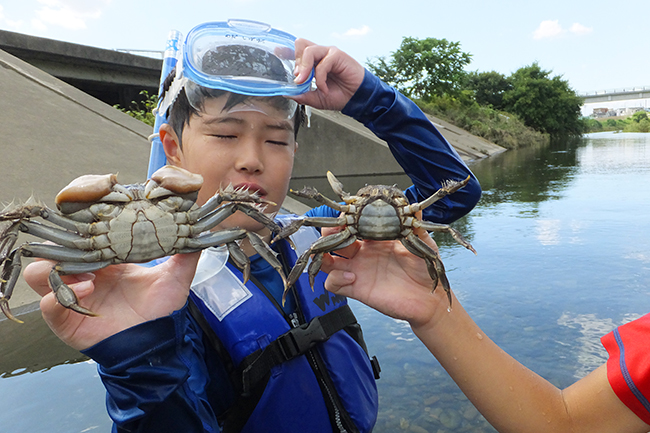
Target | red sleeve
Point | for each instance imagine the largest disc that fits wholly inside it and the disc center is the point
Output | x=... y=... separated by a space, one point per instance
x=628 y=366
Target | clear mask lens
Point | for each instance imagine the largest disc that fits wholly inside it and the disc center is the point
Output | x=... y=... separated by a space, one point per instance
x=277 y=107
x=244 y=57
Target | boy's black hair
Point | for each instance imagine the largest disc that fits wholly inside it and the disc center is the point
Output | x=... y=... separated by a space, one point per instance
x=228 y=60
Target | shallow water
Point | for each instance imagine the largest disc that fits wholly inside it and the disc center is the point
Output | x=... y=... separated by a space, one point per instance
x=563 y=257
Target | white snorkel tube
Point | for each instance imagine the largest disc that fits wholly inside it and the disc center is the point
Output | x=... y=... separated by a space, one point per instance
x=157 y=156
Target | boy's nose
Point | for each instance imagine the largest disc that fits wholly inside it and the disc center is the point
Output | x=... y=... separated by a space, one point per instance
x=249 y=158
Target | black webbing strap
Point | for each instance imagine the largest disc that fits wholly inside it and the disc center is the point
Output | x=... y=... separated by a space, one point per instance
x=293 y=343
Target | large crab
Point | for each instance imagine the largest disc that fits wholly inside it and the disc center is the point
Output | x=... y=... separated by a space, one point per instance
x=376 y=212
x=101 y=222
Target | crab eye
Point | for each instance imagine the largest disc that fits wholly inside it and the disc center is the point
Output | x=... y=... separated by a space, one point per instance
x=174 y=179
x=87 y=188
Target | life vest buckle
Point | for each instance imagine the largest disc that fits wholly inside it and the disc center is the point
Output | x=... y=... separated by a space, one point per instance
x=299 y=340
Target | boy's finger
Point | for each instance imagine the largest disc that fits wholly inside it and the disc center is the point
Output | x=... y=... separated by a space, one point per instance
x=339 y=282
x=36 y=275
x=183 y=267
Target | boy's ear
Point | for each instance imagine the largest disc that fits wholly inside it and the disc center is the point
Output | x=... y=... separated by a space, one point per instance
x=171 y=144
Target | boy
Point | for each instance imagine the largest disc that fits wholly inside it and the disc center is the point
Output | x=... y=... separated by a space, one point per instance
x=233 y=357
x=612 y=398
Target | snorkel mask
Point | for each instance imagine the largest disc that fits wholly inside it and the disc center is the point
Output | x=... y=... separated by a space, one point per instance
x=237 y=56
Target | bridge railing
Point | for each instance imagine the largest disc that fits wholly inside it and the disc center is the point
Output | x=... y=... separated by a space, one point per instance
x=616 y=91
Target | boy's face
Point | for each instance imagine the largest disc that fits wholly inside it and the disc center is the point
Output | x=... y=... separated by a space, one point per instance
x=242 y=147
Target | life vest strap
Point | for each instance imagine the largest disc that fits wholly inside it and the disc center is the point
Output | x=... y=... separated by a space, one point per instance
x=292 y=344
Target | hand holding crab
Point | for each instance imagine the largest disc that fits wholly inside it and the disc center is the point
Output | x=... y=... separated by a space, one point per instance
x=101 y=222
x=376 y=212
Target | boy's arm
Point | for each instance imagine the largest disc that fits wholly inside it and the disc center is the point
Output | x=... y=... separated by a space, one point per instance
x=388 y=278
x=424 y=154
x=343 y=84
x=156 y=377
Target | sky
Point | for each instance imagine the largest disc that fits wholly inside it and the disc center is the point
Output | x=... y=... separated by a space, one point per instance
x=595 y=45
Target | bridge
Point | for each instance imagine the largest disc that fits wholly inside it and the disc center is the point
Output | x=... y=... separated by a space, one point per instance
x=626 y=94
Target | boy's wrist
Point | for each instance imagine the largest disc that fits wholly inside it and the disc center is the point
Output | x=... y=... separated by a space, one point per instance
x=438 y=316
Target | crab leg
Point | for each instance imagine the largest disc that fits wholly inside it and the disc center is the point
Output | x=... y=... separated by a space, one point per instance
x=230 y=195
x=66 y=223
x=322 y=245
x=10 y=272
x=267 y=254
x=434 y=265
x=64 y=294
x=295 y=225
x=309 y=192
x=433 y=227
x=254 y=213
x=8 y=239
x=317 y=260
x=211 y=239
x=449 y=187
x=213 y=219
x=13 y=266
x=240 y=259
x=62 y=237
x=228 y=237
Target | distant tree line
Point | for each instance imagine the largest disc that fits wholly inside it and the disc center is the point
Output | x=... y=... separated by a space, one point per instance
x=638 y=122
x=432 y=72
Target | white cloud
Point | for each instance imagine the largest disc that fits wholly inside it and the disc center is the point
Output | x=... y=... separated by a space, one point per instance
x=351 y=33
x=552 y=29
x=548 y=29
x=11 y=24
x=579 y=29
x=69 y=14
x=364 y=30
x=38 y=25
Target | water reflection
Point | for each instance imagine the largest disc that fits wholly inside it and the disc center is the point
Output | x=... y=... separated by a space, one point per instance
x=31 y=347
x=47 y=386
x=563 y=257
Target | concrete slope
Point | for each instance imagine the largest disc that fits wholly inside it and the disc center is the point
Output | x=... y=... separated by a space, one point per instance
x=344 y=146
x=51 y=133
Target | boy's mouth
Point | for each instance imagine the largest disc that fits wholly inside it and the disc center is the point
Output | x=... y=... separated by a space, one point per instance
x=252 y=187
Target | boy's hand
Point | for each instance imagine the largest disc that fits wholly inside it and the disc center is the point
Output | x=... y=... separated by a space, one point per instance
x=121 y=295
x=337 y=75
x=387 y=277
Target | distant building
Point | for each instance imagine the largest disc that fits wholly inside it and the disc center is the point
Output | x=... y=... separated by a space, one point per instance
x=628 y=111
x=600 y=112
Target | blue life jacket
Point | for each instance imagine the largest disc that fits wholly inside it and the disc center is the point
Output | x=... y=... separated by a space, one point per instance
x=290 y=374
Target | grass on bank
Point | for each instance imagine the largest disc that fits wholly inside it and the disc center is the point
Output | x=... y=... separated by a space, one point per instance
x=500 y=128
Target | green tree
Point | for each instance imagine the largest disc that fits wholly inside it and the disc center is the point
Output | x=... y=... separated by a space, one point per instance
x=639 y=116
x=424 y=68
x=543 y=103
x=142 y=110
x=488 y=87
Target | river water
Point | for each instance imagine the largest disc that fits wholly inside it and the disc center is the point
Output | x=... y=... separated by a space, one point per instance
x=563 y=258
